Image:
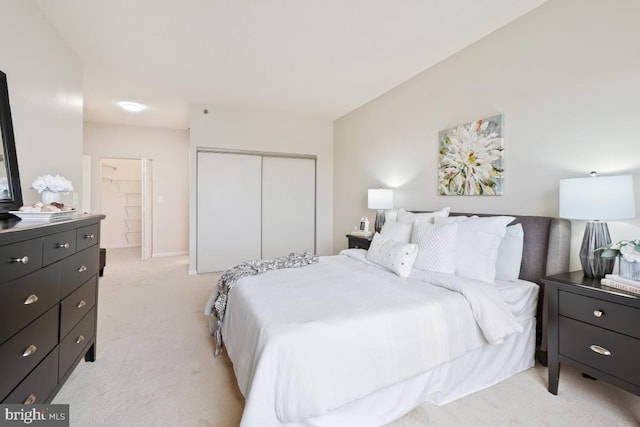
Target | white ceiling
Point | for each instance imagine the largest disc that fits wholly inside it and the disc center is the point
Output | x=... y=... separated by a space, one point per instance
x=321 y=58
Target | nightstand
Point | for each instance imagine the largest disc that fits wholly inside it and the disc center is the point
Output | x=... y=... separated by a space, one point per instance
x=359 y=242
x=593 y=329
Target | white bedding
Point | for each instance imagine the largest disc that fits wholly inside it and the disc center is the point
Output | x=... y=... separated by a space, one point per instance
x=306 y=341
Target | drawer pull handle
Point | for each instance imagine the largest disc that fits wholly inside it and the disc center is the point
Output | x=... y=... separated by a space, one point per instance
x=63 y=245
x=30 y=400
x=600 y=350
x=89 y=236
x=29 y=351
x=81 y=304
x=80 y=339
x=598 y=313
x=31 y=299
x=23 y=260
x=82 y=269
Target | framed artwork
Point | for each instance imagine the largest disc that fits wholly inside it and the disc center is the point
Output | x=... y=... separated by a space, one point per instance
x=470 y=159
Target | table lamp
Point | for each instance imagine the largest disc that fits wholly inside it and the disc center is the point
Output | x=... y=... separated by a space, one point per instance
x=597 y=199
x=380 y=199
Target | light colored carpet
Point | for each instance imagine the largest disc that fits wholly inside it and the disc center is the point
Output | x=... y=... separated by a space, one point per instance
x=155 y=367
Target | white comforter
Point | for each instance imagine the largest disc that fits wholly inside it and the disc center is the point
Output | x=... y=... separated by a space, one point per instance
x=306 y=341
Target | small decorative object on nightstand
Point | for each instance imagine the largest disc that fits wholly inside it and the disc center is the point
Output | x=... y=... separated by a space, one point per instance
x=593 y=328
x=359 y=241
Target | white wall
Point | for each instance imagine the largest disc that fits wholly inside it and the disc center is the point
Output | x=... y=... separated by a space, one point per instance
x=45 y=90
x=248 y=130
x=566 y=78
x=169 y=150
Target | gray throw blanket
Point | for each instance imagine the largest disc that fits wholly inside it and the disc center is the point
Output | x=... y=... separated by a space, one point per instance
x=217 y=305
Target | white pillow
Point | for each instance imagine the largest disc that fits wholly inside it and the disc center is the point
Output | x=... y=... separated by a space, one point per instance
x=397 y=231
x=391 y=214
x=394 y=256
x=477 y=246
x=410 y=217
x=436 y=247
x=510 y=254
x=452 y=219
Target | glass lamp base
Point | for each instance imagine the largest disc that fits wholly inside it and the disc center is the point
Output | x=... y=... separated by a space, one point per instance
x=596 y=235
x=379 y=220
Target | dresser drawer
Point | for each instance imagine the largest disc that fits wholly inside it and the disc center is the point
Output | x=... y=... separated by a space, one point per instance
x=20 y=354
x=75 y=343
x=39 y=384
x=78 y=268
x=26 y=298
x=58 y=246
x=18 y=259
x=87 y=236
x=75 y=306
x=577 y=341
x=615 y=317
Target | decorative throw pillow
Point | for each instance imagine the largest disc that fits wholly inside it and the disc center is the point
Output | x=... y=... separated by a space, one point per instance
x=397 y=231
x=391 y=215
x=410 y=217
x=394 y=256
x=477 y=246
x=452 y=219
x=436 y=247
x=510 y=254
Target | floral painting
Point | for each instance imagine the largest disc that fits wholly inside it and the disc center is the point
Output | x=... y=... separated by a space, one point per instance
x=471 y=159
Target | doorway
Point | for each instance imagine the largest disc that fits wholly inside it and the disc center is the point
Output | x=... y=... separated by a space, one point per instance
x=126 y=196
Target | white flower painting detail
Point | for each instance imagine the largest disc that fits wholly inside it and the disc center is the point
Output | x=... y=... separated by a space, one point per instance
x=471 y=158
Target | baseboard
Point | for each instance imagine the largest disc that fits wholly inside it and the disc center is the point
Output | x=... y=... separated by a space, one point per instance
x=164 y=254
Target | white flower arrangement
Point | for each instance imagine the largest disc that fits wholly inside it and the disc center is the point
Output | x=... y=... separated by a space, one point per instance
x=52 y=183
x=628 y=249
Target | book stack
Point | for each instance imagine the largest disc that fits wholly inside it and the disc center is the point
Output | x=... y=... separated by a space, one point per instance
x=621 y=283
x=362 y=233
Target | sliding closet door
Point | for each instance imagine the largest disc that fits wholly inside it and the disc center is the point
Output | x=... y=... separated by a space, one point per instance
x=228 y=218
x=288 y=205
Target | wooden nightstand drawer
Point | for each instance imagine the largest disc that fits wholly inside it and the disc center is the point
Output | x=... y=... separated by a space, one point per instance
x=615 y=317
x=75 y=306
x=58 y=246
x=24 y=351
x=87 y=236
x=357 y=242
x=26 y=298
x=607 y=351
x=39 y=384
x=75 y=343
x=78 y=268
x=18 y=259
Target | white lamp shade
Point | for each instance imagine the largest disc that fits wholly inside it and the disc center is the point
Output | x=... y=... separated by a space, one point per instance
x=380 y=199
x=597 y=198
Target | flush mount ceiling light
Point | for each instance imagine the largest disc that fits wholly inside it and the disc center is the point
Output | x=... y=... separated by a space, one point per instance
x=132 y=106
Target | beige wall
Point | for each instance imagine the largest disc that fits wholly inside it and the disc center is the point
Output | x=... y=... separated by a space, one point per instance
x=248 y=130
x=169 y=150
x=45 y=90
x=566 y=77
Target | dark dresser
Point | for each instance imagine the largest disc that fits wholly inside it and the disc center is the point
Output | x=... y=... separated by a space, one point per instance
x=594 y=329
x=48 y=304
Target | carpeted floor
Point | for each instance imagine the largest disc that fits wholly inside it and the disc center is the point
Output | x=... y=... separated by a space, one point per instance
x=155 y=367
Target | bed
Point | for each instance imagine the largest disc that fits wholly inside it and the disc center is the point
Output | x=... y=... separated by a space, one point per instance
x=350 y=341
